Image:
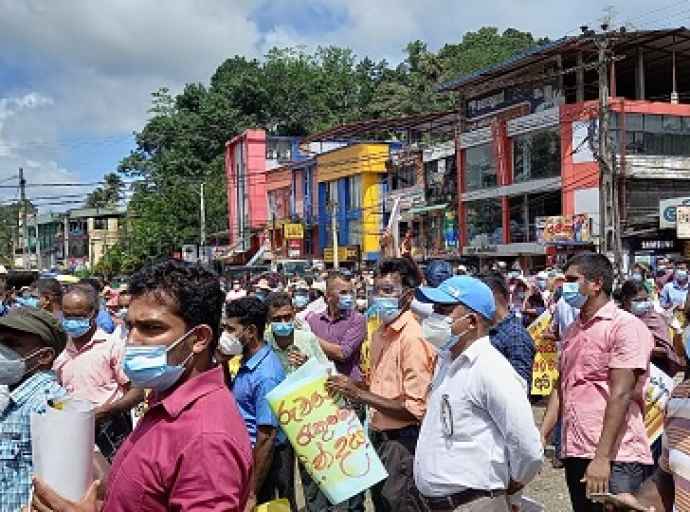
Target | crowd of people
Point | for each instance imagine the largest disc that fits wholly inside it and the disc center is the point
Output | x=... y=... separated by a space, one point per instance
x=435 y=360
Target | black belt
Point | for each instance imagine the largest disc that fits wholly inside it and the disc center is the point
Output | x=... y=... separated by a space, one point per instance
x=410 y=432
x=461 y=498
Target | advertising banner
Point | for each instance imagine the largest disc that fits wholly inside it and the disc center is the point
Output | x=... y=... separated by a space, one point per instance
x=683 y=222
x=327 y=438
x=293 y=231
x=545 y=368
x=564 y=229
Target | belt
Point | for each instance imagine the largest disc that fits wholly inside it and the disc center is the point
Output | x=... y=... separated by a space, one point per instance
x=461 y=498
x=409 y=432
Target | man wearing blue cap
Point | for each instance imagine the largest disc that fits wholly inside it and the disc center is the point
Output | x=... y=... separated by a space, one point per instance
x=478 y=443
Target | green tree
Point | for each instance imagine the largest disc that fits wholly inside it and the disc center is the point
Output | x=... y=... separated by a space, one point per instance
x=290 y=92
x=107 y=196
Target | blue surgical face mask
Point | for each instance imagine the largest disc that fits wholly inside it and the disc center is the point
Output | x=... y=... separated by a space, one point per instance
x=76 y=327
x=541 y=283
x=388 y=308
x=437 y=330
x=345 y=302
x=681 y=276
x=421 y=309
x=573 y=296
x=31 y=302
x=640 y=308
x=282 y=328
x=147 y=366
x=300 y=301
x=636 y=276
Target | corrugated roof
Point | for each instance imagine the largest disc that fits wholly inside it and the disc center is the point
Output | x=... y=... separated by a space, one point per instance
x=505 y=65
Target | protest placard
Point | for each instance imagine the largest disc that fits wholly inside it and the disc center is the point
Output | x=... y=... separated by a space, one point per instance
x=328 y=439
x=545 y=368
x=658 y=392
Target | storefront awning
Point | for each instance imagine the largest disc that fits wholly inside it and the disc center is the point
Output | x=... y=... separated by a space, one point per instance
x=427 y=209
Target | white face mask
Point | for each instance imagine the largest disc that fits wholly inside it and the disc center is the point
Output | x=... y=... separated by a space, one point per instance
x=229 y=344
x=437 y=330
x=422 y=309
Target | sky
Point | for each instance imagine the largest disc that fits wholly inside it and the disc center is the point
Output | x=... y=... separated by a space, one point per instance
x=76 y=76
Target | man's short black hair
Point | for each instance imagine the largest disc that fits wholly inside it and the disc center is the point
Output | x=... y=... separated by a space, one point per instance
x=248 y=311
x=594 y=266
x=92 y=281
x=50 y=287
x=631 y=288
x=278 y=300
x=193 y=291
x=408 y=273
x=497 y=283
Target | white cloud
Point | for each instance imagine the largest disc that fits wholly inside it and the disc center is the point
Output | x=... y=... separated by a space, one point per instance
x=87 y=68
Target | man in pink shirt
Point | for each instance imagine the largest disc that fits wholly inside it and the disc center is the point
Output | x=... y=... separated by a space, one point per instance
x=600 y=397
x=90 y=368
x=190 y=452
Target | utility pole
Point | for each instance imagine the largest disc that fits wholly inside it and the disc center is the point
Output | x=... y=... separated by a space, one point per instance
x=26 y=261
x=609 y=213
x=38 y=243
x=202 y=212
x=334 y=231
x=65 y=250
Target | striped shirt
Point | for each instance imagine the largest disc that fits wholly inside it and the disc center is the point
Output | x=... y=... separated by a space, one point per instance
x=675 y=455
x=16 y=463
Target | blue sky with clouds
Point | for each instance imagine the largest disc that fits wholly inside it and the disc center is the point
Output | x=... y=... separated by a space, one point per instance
x=76 y=76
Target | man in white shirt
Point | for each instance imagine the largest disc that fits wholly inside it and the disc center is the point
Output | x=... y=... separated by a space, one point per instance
x=478 y=443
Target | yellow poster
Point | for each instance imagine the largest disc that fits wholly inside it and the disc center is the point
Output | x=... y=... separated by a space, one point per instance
x=328 y=440
x=545 y=369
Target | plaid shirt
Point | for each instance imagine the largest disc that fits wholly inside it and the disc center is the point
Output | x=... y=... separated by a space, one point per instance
x=15 y=437
x=512 y=340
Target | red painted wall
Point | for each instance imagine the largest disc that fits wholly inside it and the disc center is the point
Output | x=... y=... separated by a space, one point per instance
x=253 y=143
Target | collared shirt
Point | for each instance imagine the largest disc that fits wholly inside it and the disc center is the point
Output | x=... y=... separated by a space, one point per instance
x=672 y=294
x=94 y=372
x=303 y=340
x=675 y=452
x=402 y=365
x=564 y=315
x=104 y=321
x=478 y=431
x=189 y=452
x=348 y=331
x=16 y=463
x=256 y=377
x=512 y=340
x=613 y=338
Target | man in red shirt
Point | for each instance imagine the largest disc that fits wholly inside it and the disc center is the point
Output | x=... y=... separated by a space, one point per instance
x=191 y=450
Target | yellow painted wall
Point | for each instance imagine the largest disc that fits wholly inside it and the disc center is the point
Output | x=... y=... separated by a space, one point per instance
x=371 y=212
x=351 y=160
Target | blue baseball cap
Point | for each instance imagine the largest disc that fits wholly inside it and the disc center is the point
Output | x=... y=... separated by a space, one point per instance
x=438 y=271
x=465 y=290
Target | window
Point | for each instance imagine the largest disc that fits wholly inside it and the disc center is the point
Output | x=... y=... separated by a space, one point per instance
x=403 y=176
x=355 y=186
x=441 y=180
x=537 y=155
x=651 y=134
x=354 y=234
x=484 y=223
x=518 y=219
x=480 y=167
x=100 y=223
x=542 y=205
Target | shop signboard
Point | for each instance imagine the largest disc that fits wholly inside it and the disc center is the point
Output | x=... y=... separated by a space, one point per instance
x=293 y=231
x=346 y=253
x=667 y=211
x=558 y=229
x=683 y=222
x=294 y=248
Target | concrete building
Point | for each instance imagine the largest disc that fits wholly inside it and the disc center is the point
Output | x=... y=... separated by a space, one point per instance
x=528 y=136
x=91 y=232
